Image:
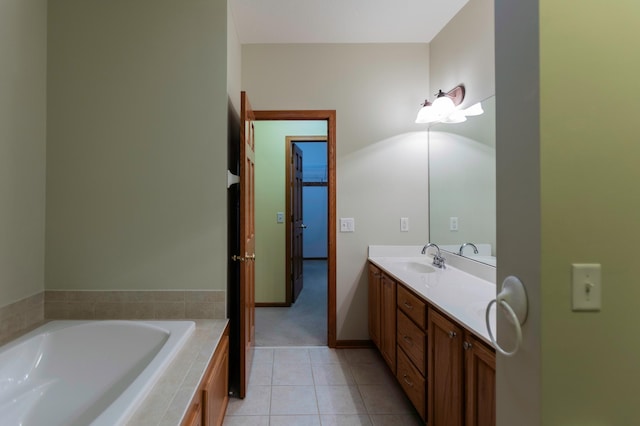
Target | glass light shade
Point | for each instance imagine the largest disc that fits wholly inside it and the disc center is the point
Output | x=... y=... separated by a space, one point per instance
x=426 y=115
x=443 y=106
x=456 y=116
x=475 y=109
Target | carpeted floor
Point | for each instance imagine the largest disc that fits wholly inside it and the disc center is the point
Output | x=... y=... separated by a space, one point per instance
x=305 y=322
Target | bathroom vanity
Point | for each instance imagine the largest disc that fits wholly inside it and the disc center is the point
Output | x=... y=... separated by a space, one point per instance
x=429 y=326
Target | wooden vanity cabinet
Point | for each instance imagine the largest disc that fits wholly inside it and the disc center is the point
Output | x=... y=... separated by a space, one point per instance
x=480 y=383
x=411 y=347
x=446 y=372
x=382 y=314
x=461 y=373
x=388 y=321
x=209 y=404
x=374 y=304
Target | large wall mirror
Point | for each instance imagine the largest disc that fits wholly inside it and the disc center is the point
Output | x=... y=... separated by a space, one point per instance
x=462 y=185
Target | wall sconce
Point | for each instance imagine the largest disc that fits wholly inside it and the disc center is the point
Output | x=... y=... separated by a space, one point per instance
x=444 y=108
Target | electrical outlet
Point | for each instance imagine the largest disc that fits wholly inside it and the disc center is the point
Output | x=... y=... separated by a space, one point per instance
x=404 y=224
x=453 y=223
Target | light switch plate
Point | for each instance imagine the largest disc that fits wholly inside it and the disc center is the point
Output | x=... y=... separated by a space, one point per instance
x=347 y=224
x=280 y=217
x=587 y=286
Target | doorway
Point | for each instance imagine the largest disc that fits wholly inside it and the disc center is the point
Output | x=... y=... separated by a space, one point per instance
x=282 y=261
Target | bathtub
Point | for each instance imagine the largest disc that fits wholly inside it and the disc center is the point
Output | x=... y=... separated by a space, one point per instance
x=85 y=372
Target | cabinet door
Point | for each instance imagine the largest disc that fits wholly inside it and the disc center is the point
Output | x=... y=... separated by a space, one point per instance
x=215 y=395
x=388 y=319
x=480 y=383
x=374 y=304
x=444 y=375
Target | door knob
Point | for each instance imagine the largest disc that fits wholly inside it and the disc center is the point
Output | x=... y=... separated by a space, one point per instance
x=303 y=226
x=237 y=258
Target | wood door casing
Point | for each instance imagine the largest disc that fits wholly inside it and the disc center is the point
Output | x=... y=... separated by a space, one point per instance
x=247 y=241
x=330 y=117
x=297 y=226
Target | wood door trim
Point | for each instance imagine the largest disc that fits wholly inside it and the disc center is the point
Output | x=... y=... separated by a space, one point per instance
x=330 y=117
x=289 y=206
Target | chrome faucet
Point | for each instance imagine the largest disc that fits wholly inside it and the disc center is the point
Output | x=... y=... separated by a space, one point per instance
x=438 y=260
x=475 y=249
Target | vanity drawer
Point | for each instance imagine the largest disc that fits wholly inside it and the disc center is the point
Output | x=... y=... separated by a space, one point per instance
x=412 y=383
x=412 y=306
x=412 y=340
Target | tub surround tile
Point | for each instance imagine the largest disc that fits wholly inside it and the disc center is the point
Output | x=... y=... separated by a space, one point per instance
x=169 y=399
x=135 y=304
x=22 y=316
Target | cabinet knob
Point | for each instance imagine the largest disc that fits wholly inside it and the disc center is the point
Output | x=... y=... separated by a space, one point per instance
x=406 y=380
x=467 y=346
x=408 y=305
x=452 y=334
x=408 y=339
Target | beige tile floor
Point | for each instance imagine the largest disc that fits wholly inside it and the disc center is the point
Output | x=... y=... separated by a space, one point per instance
x=313 y=386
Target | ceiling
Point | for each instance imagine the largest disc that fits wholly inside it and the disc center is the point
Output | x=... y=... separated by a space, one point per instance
x=341 y=21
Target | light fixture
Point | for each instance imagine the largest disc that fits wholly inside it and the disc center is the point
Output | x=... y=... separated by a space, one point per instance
x=445 y=108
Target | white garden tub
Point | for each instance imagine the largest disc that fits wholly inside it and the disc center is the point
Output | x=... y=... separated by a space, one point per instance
x=85 y=372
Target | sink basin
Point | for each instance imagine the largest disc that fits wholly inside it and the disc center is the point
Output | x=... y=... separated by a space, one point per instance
x=416 y=267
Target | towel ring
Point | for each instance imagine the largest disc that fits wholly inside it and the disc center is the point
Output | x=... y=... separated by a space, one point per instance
x=513 y=299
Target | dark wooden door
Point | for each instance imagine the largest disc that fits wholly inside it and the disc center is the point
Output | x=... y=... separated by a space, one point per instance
x=297 y=231
x=247 y=256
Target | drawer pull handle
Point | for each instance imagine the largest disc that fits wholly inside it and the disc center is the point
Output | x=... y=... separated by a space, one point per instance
x=408 y=382
x=467 y=345
x=408 y=339
x=408 y=305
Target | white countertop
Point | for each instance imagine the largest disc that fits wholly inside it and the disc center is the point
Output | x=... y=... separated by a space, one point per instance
x=459 y=294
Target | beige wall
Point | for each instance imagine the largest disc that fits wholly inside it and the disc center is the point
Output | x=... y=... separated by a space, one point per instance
x=463 y=53
x=381 y=154
x=271 y=278
x=23 y=43
x=234 y=62
x=136 y=145
x=580 y=156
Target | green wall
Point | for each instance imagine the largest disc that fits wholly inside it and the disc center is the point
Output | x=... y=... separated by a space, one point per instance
x=136 y=145
x=23 y=76
x=590 y=156
x=270 y=137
